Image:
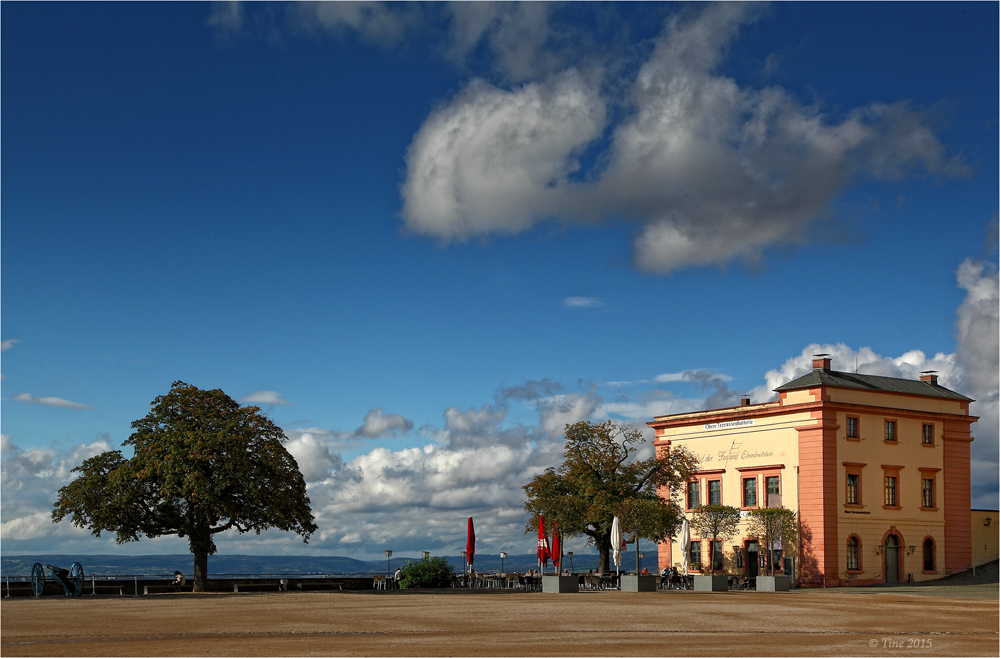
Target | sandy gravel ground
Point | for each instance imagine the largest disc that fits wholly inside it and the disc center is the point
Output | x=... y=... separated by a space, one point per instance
x=802 y=622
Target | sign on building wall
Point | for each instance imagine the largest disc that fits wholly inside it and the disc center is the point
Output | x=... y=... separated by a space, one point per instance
x=730 y=423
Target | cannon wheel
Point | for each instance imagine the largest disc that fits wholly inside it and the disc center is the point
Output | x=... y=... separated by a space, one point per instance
x=76 y=577
x=37 y=579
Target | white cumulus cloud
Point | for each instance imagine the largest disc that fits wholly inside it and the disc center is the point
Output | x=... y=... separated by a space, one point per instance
x=380 y=425
x=709 y=170
x=496 y=160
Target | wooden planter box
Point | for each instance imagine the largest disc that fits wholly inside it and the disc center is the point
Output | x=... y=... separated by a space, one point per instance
x=640 y=583
x=719 y=583
x=774 y=583
x=560 y=584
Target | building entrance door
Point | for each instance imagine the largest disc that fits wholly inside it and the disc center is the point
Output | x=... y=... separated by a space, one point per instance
x=891 y=557
x=753 y=559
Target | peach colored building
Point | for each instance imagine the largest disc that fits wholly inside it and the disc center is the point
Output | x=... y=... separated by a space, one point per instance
x=876 y=467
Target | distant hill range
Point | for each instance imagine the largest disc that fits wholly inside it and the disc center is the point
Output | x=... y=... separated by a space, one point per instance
x=224 y=565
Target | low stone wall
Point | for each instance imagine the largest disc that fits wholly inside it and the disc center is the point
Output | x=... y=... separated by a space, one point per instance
x=151 y=585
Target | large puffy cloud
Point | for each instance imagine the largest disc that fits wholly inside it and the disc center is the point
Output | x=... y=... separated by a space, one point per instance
x=711 y=171
x=978 y=332
x=497 y=161
x=315 y=457
x=29 y=482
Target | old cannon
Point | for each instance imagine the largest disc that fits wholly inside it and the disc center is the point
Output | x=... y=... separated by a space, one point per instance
x=71 y=579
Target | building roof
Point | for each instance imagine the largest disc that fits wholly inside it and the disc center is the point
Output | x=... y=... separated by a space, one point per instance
x=820 y=377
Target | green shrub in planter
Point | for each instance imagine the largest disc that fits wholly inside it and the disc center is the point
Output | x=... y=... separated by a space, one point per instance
x=429 y=572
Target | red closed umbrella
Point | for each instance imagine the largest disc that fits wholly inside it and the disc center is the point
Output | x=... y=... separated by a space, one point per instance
x=556 y=546
x=543 y=543
x=470 y=543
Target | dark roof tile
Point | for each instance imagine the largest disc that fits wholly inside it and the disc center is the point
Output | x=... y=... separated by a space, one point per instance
x=870 y=383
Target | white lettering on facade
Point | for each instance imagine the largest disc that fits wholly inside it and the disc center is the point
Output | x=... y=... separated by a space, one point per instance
x=732 y=423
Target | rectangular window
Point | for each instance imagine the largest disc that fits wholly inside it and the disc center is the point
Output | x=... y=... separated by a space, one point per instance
x=928 y=554
x=928 y=435
x=694 y=553
x=852 y=428
x=773 y=483
x=750 y=492
x=927 y=490
x=890 y=431
x=891 y=497
x=852 y=554
x=853 y=489
x=694 y=494
x=715 y=492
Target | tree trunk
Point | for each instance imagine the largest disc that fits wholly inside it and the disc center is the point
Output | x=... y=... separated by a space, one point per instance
x=201 y=546
x=604 y=551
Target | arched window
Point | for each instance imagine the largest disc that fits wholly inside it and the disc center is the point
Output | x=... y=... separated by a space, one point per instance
x=929 y=554
x=853 y=554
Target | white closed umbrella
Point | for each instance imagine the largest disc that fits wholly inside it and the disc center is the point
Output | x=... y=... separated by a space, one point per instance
x=685 y=544
x=616 y=543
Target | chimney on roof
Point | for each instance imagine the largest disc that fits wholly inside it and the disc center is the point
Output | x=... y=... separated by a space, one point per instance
x=744 y=400
x=929 y=376
x=821 y=362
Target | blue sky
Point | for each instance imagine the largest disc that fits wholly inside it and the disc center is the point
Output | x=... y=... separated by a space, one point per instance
x=424 y=237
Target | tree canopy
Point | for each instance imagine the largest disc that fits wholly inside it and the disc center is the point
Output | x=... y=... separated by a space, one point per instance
x=202 y=465
x=774 y=524
x=600 y=479
x=715 y=522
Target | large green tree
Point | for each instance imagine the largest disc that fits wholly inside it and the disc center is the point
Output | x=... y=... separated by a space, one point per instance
x=202 y=465
x=600 y=478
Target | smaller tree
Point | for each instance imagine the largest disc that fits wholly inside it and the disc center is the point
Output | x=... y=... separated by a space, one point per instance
x=773 y=524
x=719 y=522
x=429 y=572
x=600 y=478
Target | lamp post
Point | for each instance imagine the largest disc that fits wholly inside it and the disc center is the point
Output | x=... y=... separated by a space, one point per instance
x=465 y=560
x=503 y=556
x=388 y=561
x=638 y=563
x=571 y=567
x=426 y=554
